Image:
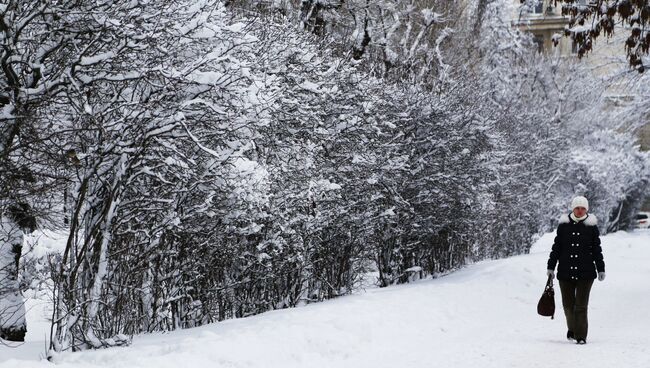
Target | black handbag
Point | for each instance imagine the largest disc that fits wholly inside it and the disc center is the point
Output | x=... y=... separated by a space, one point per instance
x=546 y=305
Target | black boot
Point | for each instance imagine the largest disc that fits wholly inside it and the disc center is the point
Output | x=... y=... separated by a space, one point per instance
x=570 y=336
x=581 y=341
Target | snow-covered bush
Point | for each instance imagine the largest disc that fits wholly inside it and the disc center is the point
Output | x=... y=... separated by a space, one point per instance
x=207 y=163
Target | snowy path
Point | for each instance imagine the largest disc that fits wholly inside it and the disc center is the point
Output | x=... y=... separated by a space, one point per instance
x=482 y=316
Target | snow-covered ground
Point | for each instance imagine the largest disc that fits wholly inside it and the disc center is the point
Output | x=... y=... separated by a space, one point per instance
x=482 y=316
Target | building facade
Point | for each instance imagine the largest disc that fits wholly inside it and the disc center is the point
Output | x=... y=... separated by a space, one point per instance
x=545 y=22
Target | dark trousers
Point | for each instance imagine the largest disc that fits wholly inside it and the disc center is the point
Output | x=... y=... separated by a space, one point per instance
x=575 y=299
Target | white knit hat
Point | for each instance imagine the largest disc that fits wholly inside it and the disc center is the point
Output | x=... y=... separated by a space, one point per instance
x=580 y=201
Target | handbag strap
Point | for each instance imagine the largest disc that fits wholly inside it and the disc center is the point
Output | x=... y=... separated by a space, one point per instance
x=549 y=282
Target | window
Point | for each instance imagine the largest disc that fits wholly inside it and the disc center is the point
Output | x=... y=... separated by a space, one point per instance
x=641 y=217
x=536 y=6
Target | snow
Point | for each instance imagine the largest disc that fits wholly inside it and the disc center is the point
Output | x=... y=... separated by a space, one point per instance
x=414 y=269
x=431 y=17
x=210 y=78
x=236 y=27
x=389 y=213
x=7 y=112
x=174 y=162
x=43 y=242
x=481 y=316
x=580 y=29
x=310 y=86
x=96 y=59
x=325 y=185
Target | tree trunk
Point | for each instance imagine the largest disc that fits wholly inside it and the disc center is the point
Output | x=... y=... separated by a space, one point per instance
x=13 y=325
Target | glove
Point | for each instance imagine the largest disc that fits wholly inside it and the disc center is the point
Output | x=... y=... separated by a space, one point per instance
x=552 y=274
x=601 y=276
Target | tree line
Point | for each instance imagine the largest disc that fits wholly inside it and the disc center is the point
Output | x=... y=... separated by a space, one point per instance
x=210 y=160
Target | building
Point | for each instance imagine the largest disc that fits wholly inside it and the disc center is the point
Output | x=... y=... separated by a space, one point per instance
x=545 y=21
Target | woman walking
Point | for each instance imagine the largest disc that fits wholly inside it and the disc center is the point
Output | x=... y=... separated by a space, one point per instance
x=577 y=248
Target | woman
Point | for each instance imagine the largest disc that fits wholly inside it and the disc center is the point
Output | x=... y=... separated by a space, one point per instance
x=577 y=248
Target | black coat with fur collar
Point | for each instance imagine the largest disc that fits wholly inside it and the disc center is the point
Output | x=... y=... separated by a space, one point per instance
x=577 y=248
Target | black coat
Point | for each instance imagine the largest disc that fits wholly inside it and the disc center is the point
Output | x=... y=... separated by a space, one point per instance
x=577 y=248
